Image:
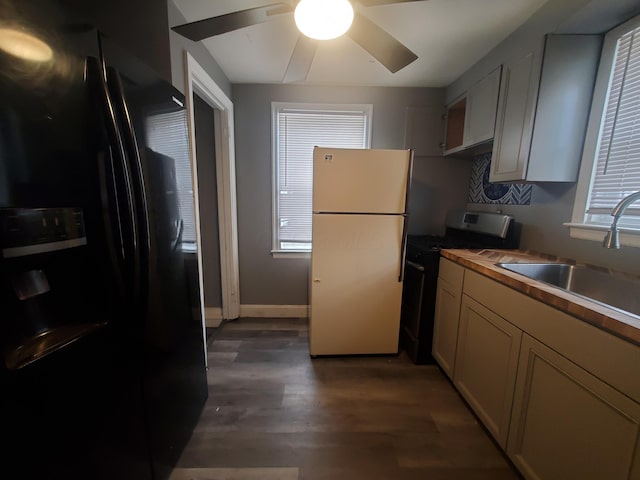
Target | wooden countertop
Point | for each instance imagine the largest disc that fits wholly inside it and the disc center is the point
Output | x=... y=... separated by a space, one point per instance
x=483 y=261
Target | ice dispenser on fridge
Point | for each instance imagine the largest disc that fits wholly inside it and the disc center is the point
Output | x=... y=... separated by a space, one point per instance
x=39 y=263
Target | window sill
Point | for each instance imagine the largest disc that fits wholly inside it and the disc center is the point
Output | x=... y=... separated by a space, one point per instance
x=188 y=248
x=596 y=233
x=291 y=254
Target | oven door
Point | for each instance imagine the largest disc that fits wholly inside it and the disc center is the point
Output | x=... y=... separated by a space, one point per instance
x=412 y=308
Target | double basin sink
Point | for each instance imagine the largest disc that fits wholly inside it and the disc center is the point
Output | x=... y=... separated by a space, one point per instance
x=614 y=291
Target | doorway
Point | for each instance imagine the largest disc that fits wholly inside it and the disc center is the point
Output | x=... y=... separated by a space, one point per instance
x=204 y=125
x=198 y=82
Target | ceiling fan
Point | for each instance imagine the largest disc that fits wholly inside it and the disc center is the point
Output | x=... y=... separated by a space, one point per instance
x=372 y=38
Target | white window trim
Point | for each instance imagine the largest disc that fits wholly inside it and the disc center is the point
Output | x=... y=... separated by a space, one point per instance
x=275 y=108
x=577 y=227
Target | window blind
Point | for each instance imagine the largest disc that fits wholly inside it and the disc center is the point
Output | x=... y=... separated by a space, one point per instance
x=167 y=134
x=298 y=131
x=617 y=171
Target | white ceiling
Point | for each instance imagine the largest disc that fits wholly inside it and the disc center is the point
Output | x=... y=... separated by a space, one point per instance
x=448 y=36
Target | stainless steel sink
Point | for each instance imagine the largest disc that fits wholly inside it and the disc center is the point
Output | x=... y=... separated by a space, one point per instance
x=615 y=291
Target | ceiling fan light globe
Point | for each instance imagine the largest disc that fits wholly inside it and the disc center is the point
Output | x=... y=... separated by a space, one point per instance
x=323 y=19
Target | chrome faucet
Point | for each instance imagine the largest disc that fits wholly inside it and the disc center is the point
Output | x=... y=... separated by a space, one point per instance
x=612 y=238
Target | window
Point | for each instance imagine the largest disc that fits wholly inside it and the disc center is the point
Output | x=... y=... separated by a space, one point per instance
x=297 y=128
x=611 y=160
x=167 y=135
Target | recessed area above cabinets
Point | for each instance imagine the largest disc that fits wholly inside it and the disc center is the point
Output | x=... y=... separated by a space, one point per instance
x=423 y=130
x=545 y=97
x=455 y=126
x=470 y=120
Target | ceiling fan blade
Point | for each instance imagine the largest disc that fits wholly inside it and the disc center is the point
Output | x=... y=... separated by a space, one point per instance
x=301 y=59
x=210 y=27
x=382 y=46
x=373 y=3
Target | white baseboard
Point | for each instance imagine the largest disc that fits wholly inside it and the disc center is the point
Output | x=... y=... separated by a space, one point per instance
x=212 y=316
x=274 y=311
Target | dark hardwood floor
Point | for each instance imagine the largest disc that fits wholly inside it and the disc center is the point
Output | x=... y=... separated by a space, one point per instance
x=274 y=413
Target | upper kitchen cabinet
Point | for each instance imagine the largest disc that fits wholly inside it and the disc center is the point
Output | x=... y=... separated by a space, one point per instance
x=470 y=120
x=545 y=96
x=482 y=102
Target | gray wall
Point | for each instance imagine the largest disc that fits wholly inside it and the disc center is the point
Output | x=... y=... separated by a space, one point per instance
x=439 y=184
x=178 y=45
x=205 y=150
x=142 y=27
x=547 y=19
x=208 y=200
x=542 y=230
x=552 y=204
x=556 y=16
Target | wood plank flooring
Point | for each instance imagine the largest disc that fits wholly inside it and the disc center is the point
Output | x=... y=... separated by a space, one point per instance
x=274 y=413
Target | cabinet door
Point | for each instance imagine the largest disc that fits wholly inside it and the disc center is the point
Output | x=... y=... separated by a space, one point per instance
x=562 y=110
x=482 y=104
x=566 y=423
x=514 y=126
x=486 y=365
x=445 y=327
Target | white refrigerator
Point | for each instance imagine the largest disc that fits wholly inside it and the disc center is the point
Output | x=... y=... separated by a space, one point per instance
x=358 y=243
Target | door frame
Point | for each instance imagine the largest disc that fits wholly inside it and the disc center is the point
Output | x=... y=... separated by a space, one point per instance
x=197 y=80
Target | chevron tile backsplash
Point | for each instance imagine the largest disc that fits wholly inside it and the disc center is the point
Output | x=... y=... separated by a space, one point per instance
x=482 y=191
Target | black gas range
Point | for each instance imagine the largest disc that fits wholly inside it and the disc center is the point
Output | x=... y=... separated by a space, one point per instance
x=464 y=229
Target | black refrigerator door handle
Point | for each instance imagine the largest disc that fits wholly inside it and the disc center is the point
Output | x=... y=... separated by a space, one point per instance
x=405 y=223
x=126 y=205
x=111 y=216
x=134 y=165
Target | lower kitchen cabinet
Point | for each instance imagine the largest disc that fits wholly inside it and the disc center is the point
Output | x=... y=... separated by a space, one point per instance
x=486 y=365
x=447 y=314
x=560 y=396
x=566 y=423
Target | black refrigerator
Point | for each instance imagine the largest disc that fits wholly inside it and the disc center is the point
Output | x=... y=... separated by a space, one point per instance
x=103 y=356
